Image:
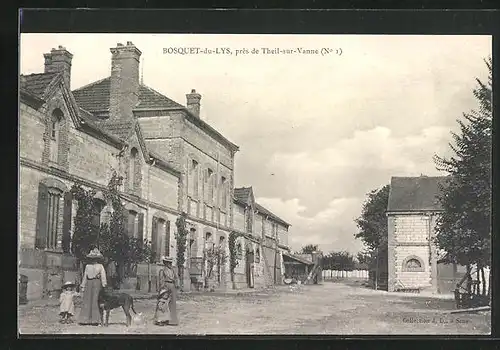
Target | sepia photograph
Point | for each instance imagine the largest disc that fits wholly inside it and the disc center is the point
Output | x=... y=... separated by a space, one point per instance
x=198 y=184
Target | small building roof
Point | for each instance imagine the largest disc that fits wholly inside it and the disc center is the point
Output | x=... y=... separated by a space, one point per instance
x=415 y=193
x=296 y=258
x=243 y=195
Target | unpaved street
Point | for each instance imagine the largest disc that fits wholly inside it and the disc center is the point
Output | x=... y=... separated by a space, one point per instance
x=330 y=308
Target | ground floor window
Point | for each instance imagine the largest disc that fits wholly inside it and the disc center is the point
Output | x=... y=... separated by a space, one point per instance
x=54 y=200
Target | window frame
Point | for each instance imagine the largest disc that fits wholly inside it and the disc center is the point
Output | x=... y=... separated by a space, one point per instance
x=405 y=267
x=53 y=218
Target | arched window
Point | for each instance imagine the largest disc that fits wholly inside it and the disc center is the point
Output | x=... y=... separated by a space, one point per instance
x=257 y=255
x=209 y=185
x=413 y=264
x=221 y=241
x=54 y=134
x=133 y=168
x=223 y=190
x=194 y=178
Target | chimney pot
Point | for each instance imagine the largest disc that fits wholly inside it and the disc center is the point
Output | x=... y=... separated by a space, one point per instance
x=193 y=102
x=57 y=61
x=124 y=93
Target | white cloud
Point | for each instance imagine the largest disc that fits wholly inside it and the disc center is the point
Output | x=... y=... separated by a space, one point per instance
x=369 y=149
x=332 y=228
x=334 y=170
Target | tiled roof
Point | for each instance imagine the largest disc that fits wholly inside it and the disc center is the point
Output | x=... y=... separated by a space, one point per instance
x=242 y=194
x=298 y=258
x=415 y=193
x=149 y=98
x=95 y=97
x=37 y=83
x=265 y=211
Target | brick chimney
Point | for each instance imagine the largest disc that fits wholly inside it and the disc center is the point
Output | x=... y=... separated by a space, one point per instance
x=124 y=90
x=59 y=60
x=193 y=102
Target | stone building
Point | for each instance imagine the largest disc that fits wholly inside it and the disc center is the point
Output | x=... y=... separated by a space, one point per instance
x=171 y=160
x=262 y=240
x=414 y=262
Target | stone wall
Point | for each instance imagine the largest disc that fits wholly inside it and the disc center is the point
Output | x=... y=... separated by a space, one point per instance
x=409 y=239
x=90 y=161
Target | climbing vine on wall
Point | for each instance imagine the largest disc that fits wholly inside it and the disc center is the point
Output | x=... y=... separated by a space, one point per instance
x=233 y=259
x=181 y=238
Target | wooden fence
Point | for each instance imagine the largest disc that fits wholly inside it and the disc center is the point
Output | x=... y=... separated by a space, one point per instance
x=336 y=274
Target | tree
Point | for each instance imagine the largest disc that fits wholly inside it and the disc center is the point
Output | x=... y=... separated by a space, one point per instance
x=340 y=261
x=111 y=238
x=215 y=257
x=85 y=233
x=464 y=228
x=372 y=225
x=233 y=253
x=181 y=237
x=310 y=248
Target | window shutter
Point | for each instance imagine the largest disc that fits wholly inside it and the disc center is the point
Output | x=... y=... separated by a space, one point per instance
x=66 y=233
x=154 y=237
x=41 y=220
x=140 y=227
x=167 y=238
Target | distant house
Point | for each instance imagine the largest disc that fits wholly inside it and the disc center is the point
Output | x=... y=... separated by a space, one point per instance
x=262 y=241
x=414 y=262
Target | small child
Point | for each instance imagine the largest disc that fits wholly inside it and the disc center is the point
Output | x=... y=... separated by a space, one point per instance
x=67 y=308
x=162 y=312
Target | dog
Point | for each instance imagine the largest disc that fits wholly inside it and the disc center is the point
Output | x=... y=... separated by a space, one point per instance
x=109 y=300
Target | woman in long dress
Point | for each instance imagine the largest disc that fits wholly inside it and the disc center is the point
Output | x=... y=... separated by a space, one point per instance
x=169 y=281
x=94 y=278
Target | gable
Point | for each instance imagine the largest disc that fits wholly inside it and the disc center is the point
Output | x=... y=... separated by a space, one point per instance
x=57 y=95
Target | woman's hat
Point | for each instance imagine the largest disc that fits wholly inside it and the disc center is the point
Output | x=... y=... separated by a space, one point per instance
x=162 y=292
x=68 y=284
x=95 y=254
x=166 y=259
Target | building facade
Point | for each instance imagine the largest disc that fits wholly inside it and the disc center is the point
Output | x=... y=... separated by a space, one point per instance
x=172 y=162
x=262 y=238
x=414 y=262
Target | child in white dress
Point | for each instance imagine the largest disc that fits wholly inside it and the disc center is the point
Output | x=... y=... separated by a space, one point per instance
x=67 y=308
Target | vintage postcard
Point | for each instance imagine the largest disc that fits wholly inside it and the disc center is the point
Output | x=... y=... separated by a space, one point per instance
x=254 y=184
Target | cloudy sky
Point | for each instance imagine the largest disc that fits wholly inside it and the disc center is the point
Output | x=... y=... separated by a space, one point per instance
x=316 y=133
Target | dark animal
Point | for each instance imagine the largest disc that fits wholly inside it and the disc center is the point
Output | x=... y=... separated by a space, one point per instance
x=109 y=300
